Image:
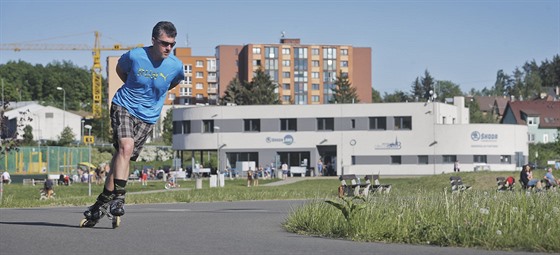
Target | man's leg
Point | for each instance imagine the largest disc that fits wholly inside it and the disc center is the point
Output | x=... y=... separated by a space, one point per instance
x=120 y=163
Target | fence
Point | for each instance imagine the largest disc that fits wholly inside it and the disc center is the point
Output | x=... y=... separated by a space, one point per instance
x=44 y=160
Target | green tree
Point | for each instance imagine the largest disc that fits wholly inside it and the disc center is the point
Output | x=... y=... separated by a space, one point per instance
x=396 y=97
x=233 y=93
x=421 y=87
x=503 y=81
x=448 y=89
x=28 y=136
x=418 y=91
x=261 y=90
x=344 y=92
x=476 y=116
x=66 y=138
x=168 y=127
x=376 y=96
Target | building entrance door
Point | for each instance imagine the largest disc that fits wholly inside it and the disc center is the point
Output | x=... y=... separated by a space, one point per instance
x=328 y=156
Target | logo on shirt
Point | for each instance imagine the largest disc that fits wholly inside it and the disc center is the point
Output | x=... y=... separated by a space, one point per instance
x=150 y=74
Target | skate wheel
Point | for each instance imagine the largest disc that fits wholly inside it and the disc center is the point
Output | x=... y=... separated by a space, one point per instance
x=116 y=221
x=83 y=223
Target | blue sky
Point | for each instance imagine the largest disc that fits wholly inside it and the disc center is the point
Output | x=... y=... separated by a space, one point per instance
x=465 y=41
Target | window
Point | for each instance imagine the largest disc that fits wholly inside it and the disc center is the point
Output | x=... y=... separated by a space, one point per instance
x=423 y=160
x=505 y=159
x=378 y=123
x=188 y=68
x=285 y=74
x=315 y=63
x=545 y=138
x=199 y=63
x=325 y=124
x=449 y=158
x=252 y=125
x=285 y=62
x=208 y=126
x=479 y=158
x=329 y=53
x=288 y=124
x=256 y=62
x=315 y=86
x=344 y=52
x=182 y=127
x=285 y=51
x=199 y=96
x=315 y=99
x=300 y=53
x=343 y=63
x=271 y=52
x=185 y=92
x=315 y=52
x=199 y=75
x=49 y=115
x=286 y=99
x=188 y=80
x=396 y=160
x=353 y=123
x=199 y=85
x=315 y=75
x=286 y=86
x=403 y=123
x=256 y=50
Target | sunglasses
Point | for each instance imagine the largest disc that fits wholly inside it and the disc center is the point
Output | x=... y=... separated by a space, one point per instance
x=166 y=44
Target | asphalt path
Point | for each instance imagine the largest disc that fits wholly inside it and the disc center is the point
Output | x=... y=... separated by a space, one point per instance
x=247 y=227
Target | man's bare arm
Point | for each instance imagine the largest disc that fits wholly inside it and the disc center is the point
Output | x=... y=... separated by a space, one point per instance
x=122 y=74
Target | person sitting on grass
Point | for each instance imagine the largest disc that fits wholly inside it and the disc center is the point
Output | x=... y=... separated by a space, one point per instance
x=552 y=182
x=48 y=187
x=527 y=180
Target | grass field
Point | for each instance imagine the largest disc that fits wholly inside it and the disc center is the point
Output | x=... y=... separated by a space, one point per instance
x=419 y=210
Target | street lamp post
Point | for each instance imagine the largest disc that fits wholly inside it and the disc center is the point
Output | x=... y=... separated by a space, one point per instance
x=432 y=98
x=217 y=148
x=63 y=106
x=88 y=127
x=82 y=134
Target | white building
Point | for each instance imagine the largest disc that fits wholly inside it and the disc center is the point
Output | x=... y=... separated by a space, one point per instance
x=385 y=138
x=47 y=121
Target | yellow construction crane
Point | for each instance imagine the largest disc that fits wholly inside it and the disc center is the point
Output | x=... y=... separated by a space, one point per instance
x=95 y=70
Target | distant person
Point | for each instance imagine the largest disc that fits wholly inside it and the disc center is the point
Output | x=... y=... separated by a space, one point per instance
x=456 y=166
x=553 y=182
x=249 y=177
x=6 y=179
x=61 y=179
x=48 y=187
x=320 y=167
x=284 y=170
x=526 y=178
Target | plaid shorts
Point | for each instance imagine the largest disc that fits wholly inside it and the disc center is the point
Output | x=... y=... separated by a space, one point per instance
x=126 y=125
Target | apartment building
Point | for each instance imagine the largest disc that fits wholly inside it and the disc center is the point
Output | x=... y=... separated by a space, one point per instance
x=305 y=74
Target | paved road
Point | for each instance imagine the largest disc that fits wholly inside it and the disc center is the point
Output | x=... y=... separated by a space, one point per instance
x=250 y=227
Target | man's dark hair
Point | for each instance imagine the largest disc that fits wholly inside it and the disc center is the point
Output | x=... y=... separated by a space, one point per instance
x=164 y=27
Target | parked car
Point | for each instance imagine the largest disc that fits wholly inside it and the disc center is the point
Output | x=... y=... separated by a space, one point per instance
x=533 y=166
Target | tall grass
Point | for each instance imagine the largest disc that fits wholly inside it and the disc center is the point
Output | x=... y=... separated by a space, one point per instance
x=493 y=220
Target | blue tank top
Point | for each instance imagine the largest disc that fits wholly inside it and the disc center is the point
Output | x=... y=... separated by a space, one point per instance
x=145 y=89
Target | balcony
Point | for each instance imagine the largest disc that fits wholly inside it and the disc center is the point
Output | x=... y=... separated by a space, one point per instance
x=212 y=79
x=212 y=90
